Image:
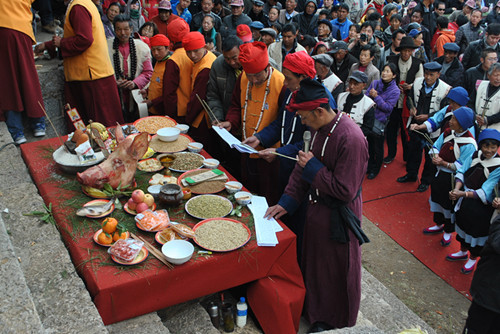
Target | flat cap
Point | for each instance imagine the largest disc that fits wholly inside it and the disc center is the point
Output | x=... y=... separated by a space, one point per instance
x=323 y=59
x=358 y=76
x=257 y=25
x=259 y=3
x=453 y=47
x=268 y=31
x=337 y=46
x=433 y=66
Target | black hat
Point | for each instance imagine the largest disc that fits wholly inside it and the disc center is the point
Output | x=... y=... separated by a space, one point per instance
x=433 y=66
x=337 y=46
x=406 y=43
x=358 y=76
x=268 y=31
x=328 y=23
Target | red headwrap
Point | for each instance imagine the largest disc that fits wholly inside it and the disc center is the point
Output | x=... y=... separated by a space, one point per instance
x=176 y=30
x=253 y=57
x=300 y=63
x=193 y=41
x=159 y=40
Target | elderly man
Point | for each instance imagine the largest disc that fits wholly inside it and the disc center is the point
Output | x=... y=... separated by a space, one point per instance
x=323 y=63
x=268 y=36
x=428 y=96
x=287 y=45
x=342 y=60
x=487 y=100
x=257 y=95
x=237 y=17
x=452 y=72
x=332 y=173
x=476 y=74
x=490 y=40
x=287 y=14
x=164 y=17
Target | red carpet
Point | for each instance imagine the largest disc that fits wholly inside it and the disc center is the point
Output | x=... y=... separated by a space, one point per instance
x=404 y=216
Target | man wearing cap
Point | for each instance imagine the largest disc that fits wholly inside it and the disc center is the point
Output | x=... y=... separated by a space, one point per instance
x=255 y=28
x=268 y=36
x=330 y=174
x=487 y=100
x=452 y=71
x=257 y=95
x=257 y=12
x=196 y=117
x=307 y=21
x=323 y=64
x=327 y=33
x=153 y=95
x=390 y=49
x=342 y=60
x=164 y=17
x=288 y=44
x=237 y=17
x=342 y=22
x=428 y=97
x=469 y=5
x=206 y=9
x=409 y=68
x=474 y=76
x=490 y=40
x=287 y=14
x=177 y=82
x=356 y=104
x=494 y=15
x=470 y=32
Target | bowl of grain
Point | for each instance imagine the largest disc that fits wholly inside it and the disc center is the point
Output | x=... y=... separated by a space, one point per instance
x=183 y=127
x=178 y=251
x=233 y=186
x=211 y=163
x=168 y=134
x=243 y=197
x=195 y=147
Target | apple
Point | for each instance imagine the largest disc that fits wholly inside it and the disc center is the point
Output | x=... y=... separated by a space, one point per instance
x=131 y=204
x=141 y=207
x=138 y=196
x=149 y=200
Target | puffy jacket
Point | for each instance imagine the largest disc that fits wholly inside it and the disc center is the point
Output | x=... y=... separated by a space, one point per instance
x=221 y=83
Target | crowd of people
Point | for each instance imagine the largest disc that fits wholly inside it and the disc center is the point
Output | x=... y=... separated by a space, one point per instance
x=355 y=73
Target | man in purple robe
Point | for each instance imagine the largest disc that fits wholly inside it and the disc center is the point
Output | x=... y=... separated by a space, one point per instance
x=331 y=173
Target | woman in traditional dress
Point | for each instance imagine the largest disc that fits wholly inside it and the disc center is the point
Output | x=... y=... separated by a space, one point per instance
x=473 y=210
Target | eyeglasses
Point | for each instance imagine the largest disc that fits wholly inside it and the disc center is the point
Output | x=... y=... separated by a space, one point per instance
x=492 y=58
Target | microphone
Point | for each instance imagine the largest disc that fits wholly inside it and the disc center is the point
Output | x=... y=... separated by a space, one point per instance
x=307 y=140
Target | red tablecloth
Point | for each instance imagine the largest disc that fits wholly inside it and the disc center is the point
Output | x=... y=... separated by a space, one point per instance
x=276 y=292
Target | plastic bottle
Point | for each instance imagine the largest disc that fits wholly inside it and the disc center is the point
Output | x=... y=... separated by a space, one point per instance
x=241 y=313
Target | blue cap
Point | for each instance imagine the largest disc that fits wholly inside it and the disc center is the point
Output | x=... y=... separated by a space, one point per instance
x=453 y=47
x=433 y=66
x=489 y=134
x=257 y=25
x=259 y=3
x=465 y=117
x=358 y=76
x=459 y=95
x=414 y=32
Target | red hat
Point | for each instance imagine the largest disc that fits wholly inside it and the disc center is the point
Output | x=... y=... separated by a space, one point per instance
x=253 y=57
x=301 y=63
x=193 y=41
x=176 y=30
x=244 y=33
x=159 y=40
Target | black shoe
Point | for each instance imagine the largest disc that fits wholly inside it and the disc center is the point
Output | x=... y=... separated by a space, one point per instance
x=406 y=178
x=319 y=326
x=388 y=160
x=371 y=176
x=422 y=187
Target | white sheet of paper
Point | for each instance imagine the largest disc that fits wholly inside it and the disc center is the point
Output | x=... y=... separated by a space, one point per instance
x=233 y=142
x=265 y=229
x=143 y=107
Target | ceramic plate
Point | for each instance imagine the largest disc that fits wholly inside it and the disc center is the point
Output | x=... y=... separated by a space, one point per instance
x=141 y=257
x=156 y=165
x=203 y=222
x=197 y=167
x=159 y=239
x=133 y=212
x=220 y=198
x=100 y=201
x=96 y=235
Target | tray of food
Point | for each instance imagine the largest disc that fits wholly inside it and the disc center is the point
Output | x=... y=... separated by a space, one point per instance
x=151 y=124
x=186 y=161
x=208 y=206
x=128 y=252
x=221 y=234
x=149 y=165
x=178 y=145
x=206 y=187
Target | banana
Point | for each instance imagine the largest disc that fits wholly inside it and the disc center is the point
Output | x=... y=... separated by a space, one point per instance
x=103 y=132
x=94 y=192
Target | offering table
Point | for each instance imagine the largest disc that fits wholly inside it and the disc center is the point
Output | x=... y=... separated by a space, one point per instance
x=275 y=293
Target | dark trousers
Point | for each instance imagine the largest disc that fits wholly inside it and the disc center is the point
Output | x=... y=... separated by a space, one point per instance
x=391 y=132
x=480 y=320
x=414 y=157
x=44 y=8
x=376 y=152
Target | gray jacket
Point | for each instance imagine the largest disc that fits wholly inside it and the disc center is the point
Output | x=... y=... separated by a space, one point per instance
x=229 y=25
x=220 y=87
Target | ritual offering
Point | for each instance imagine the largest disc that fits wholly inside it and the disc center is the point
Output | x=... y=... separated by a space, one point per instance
x=162 y=179
x=168 y=134
x=106 y=240
x=221 y=234
x=149 y=165
x=152 y=124
x=97 y=208
x=152 y=221
x=208 y=206
x=128 y=252
x=202 y=181
x=186 y=161
x=170 y=194
x=178 y=145
x=178 y=251
x=167 y=235
x=139 y=202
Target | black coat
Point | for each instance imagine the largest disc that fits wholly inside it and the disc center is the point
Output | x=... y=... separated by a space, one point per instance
x=471 y=76
x=473 y=53
x=343 y=71
x=454 y=76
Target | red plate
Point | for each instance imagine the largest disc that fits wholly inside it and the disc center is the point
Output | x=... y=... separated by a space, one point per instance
x=186 y=174
x=100 y=201
x=226 y=219
x=141 y=257
x=159 y=239
x=96 y=235
x=133 y=212
x=152 y=118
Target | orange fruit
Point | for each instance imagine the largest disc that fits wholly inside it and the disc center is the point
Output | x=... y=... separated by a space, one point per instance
x=117 y=235
x=109 y=225
x=105 y=239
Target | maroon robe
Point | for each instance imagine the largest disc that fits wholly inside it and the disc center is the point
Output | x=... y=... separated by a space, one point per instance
x=97 y=100
x=19 y=82
x=332 y=270
x=171 y=80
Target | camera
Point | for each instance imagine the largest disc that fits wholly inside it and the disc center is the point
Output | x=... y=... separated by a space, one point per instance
x=363 y=37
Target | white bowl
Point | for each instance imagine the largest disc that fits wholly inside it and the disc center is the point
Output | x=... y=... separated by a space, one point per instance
x=178 y=251
x=154 y=190
x=183 y=127
x=211 y=163
x=243 y=197
x=233 y=186
x=168 y=134
x=195 y=147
